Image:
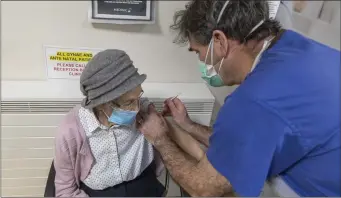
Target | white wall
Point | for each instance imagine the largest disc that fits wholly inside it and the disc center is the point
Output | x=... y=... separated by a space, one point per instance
x=28 y=25
x=320 y=21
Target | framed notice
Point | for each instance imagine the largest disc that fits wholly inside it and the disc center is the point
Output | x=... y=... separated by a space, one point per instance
x=122 y=10
x=67 y=63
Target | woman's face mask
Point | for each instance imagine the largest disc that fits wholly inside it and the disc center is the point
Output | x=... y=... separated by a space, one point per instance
x=125 y=112
x=122 y=117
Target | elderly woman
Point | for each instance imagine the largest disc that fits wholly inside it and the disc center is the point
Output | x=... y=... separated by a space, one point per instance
x=99 y=152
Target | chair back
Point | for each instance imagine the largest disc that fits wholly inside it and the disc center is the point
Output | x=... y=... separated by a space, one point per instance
x=50 y=189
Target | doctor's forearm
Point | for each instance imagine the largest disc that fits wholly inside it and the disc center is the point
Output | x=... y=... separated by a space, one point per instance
x=185 y=141
x=178 y=163
x=197 y=178
x=199 y=132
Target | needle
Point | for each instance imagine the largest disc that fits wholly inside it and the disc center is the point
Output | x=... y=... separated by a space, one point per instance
x=176 y=96
x=172 y=98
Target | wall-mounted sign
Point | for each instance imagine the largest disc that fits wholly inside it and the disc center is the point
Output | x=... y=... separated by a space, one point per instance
x=273 y=8
x=124 y=11
x=67 y=63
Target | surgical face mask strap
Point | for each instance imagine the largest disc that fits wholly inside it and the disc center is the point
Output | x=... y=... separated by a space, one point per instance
x=212 y=48
x=221 y=62
x=105 y=113
x=222 y=11
x=254 y=28
x=211 y=45
x=265 y=46
x=209 y=70
x=209 y=48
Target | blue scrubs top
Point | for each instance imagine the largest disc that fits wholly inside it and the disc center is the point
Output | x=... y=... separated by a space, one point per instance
x=283 y=120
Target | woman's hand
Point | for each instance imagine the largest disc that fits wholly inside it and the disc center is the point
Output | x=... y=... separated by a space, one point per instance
x=152 y=125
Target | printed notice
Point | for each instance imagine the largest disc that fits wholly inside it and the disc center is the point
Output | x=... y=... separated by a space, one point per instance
x=122 y=10
x=273 y=8
x=67 y=63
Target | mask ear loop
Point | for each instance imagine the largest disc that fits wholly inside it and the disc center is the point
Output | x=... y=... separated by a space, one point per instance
x=221 y=63
x=253 y=29
x=208 y=50
x=105 y=113
x=210 y=47
x=219 y=17
x=110 y=124
x=222 y=11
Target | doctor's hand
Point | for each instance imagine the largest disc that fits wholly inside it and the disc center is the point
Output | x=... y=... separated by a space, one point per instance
x=176 y=109
x=152 y=125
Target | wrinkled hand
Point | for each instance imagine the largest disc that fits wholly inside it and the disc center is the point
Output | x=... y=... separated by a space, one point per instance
x=178 y=111
x=152 y=125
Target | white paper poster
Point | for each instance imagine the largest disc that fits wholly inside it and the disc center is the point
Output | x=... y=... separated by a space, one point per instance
x=67 y=63
x=273 y=8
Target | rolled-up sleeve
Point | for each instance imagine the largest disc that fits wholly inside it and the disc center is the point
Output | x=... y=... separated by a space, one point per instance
x=243 y=144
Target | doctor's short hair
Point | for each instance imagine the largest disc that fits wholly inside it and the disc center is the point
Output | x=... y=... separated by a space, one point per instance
x=199 y=20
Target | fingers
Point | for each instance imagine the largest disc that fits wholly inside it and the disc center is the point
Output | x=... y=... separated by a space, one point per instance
x=151 y=108
x=139 y=119
x=178 y=103
x=139 y=116
x=171 y=106
x=165 y=111
x=167 y=100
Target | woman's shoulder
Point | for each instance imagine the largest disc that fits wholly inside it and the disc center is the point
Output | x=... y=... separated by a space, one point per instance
x=70 y=127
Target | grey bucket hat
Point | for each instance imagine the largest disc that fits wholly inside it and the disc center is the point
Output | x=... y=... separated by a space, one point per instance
x=107 y=76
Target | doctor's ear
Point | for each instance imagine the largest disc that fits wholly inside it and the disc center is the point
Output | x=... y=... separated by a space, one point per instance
x=220 y=43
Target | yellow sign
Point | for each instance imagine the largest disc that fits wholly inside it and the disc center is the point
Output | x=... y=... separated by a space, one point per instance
x=67 y=63
x=72 y=56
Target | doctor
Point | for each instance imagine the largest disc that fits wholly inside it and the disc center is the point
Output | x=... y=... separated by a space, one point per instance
x=282 y=124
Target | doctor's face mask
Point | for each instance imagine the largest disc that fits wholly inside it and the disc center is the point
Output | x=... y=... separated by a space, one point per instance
x=208 y=71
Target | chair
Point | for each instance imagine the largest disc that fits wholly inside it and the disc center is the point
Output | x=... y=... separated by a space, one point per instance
x=50 y=190
x=183 y=193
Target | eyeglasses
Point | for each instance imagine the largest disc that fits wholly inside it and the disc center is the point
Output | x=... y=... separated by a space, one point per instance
x=130 y=103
